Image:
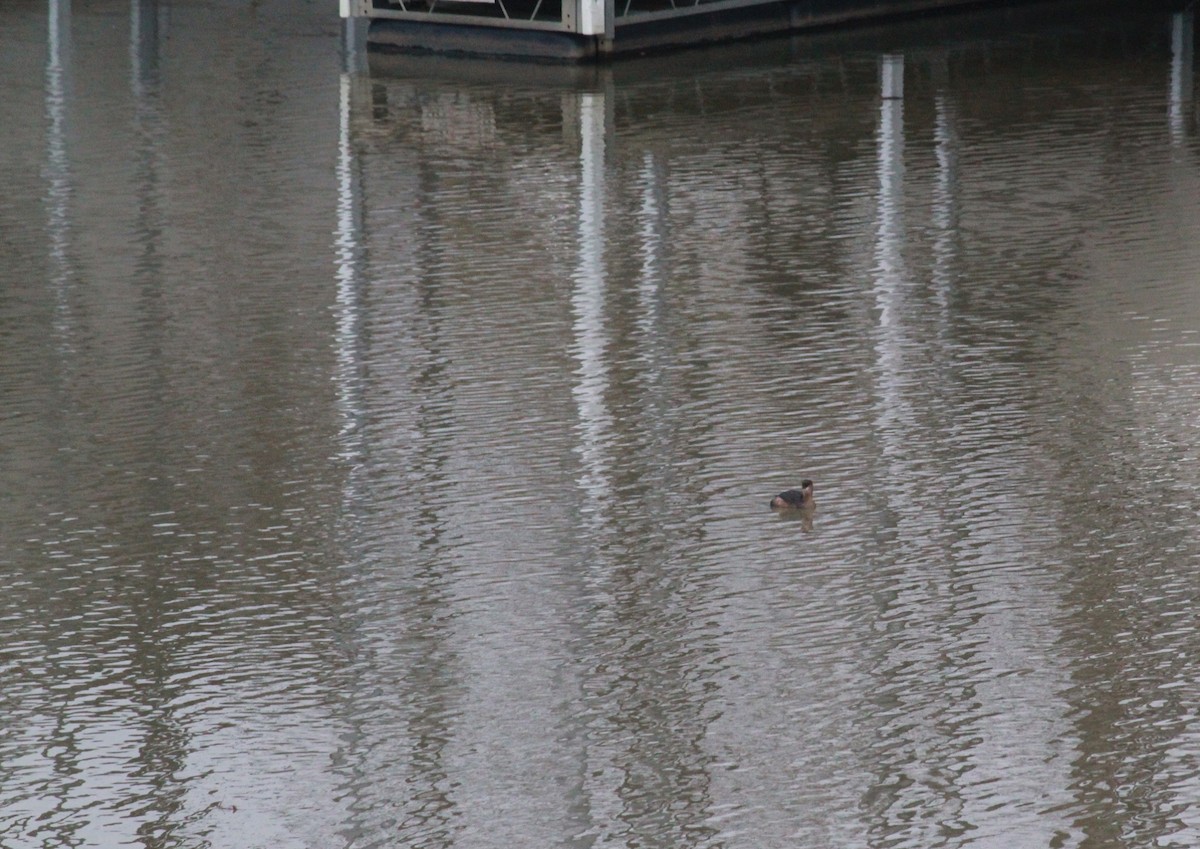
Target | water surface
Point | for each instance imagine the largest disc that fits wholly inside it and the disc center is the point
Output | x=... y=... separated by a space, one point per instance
x=387 y=446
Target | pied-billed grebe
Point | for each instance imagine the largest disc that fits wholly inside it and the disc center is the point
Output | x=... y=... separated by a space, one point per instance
x=801 y=498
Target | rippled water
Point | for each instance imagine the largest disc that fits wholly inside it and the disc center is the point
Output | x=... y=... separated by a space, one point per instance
x=385 y=455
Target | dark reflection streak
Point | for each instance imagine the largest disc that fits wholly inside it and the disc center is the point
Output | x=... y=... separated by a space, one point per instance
x=433 y=390
x=149 y=272
x=1182 y=74
x=650 y=691
x=415 y=659
x=428 y=812
x=399 y=702
x=1132 y=696
x=1133 y=687
x=958 y=719
x=163 y=751
x=658 y=696
x=643 y=776
x=64 y=751
x=61 y=747
x=663 y=482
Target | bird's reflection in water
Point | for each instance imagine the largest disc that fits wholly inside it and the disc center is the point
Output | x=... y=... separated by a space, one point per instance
x=804 y=517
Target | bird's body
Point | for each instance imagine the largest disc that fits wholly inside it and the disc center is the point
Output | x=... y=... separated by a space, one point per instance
x=795 y=499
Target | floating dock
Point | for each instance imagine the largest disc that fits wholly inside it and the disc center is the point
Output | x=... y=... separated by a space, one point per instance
x=582 y=31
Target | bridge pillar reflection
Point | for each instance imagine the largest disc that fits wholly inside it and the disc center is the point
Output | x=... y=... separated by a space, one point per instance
x=589 y=326
x=1182 y=72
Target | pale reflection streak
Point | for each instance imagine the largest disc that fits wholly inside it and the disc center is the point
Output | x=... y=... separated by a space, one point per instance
x=894 y=413
x=897 y=745
x=347 y=343
x=587 y=305
x=347 y=248
x=596 y=802
x=58 y=167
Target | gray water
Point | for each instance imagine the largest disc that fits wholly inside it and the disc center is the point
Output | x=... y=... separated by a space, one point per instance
x=385 y=446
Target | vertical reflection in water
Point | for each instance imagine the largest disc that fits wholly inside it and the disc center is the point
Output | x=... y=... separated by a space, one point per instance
x=596 y=802
x=148 y=127
x=897 y=739
x=144 y=64
x=650 y=279
x=62 y=746
x=165 y=739
x=396 y=402
x=421 y=647
x=347 y=376
x=644 y=776
x=665 y=655
x=1132 y=424
x=587 y=306
x=945 y=749
x=58 y=168
x=1182 y=35
x=347 y=258
x=945 y=208
x=893 y=414
x=651 y=218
